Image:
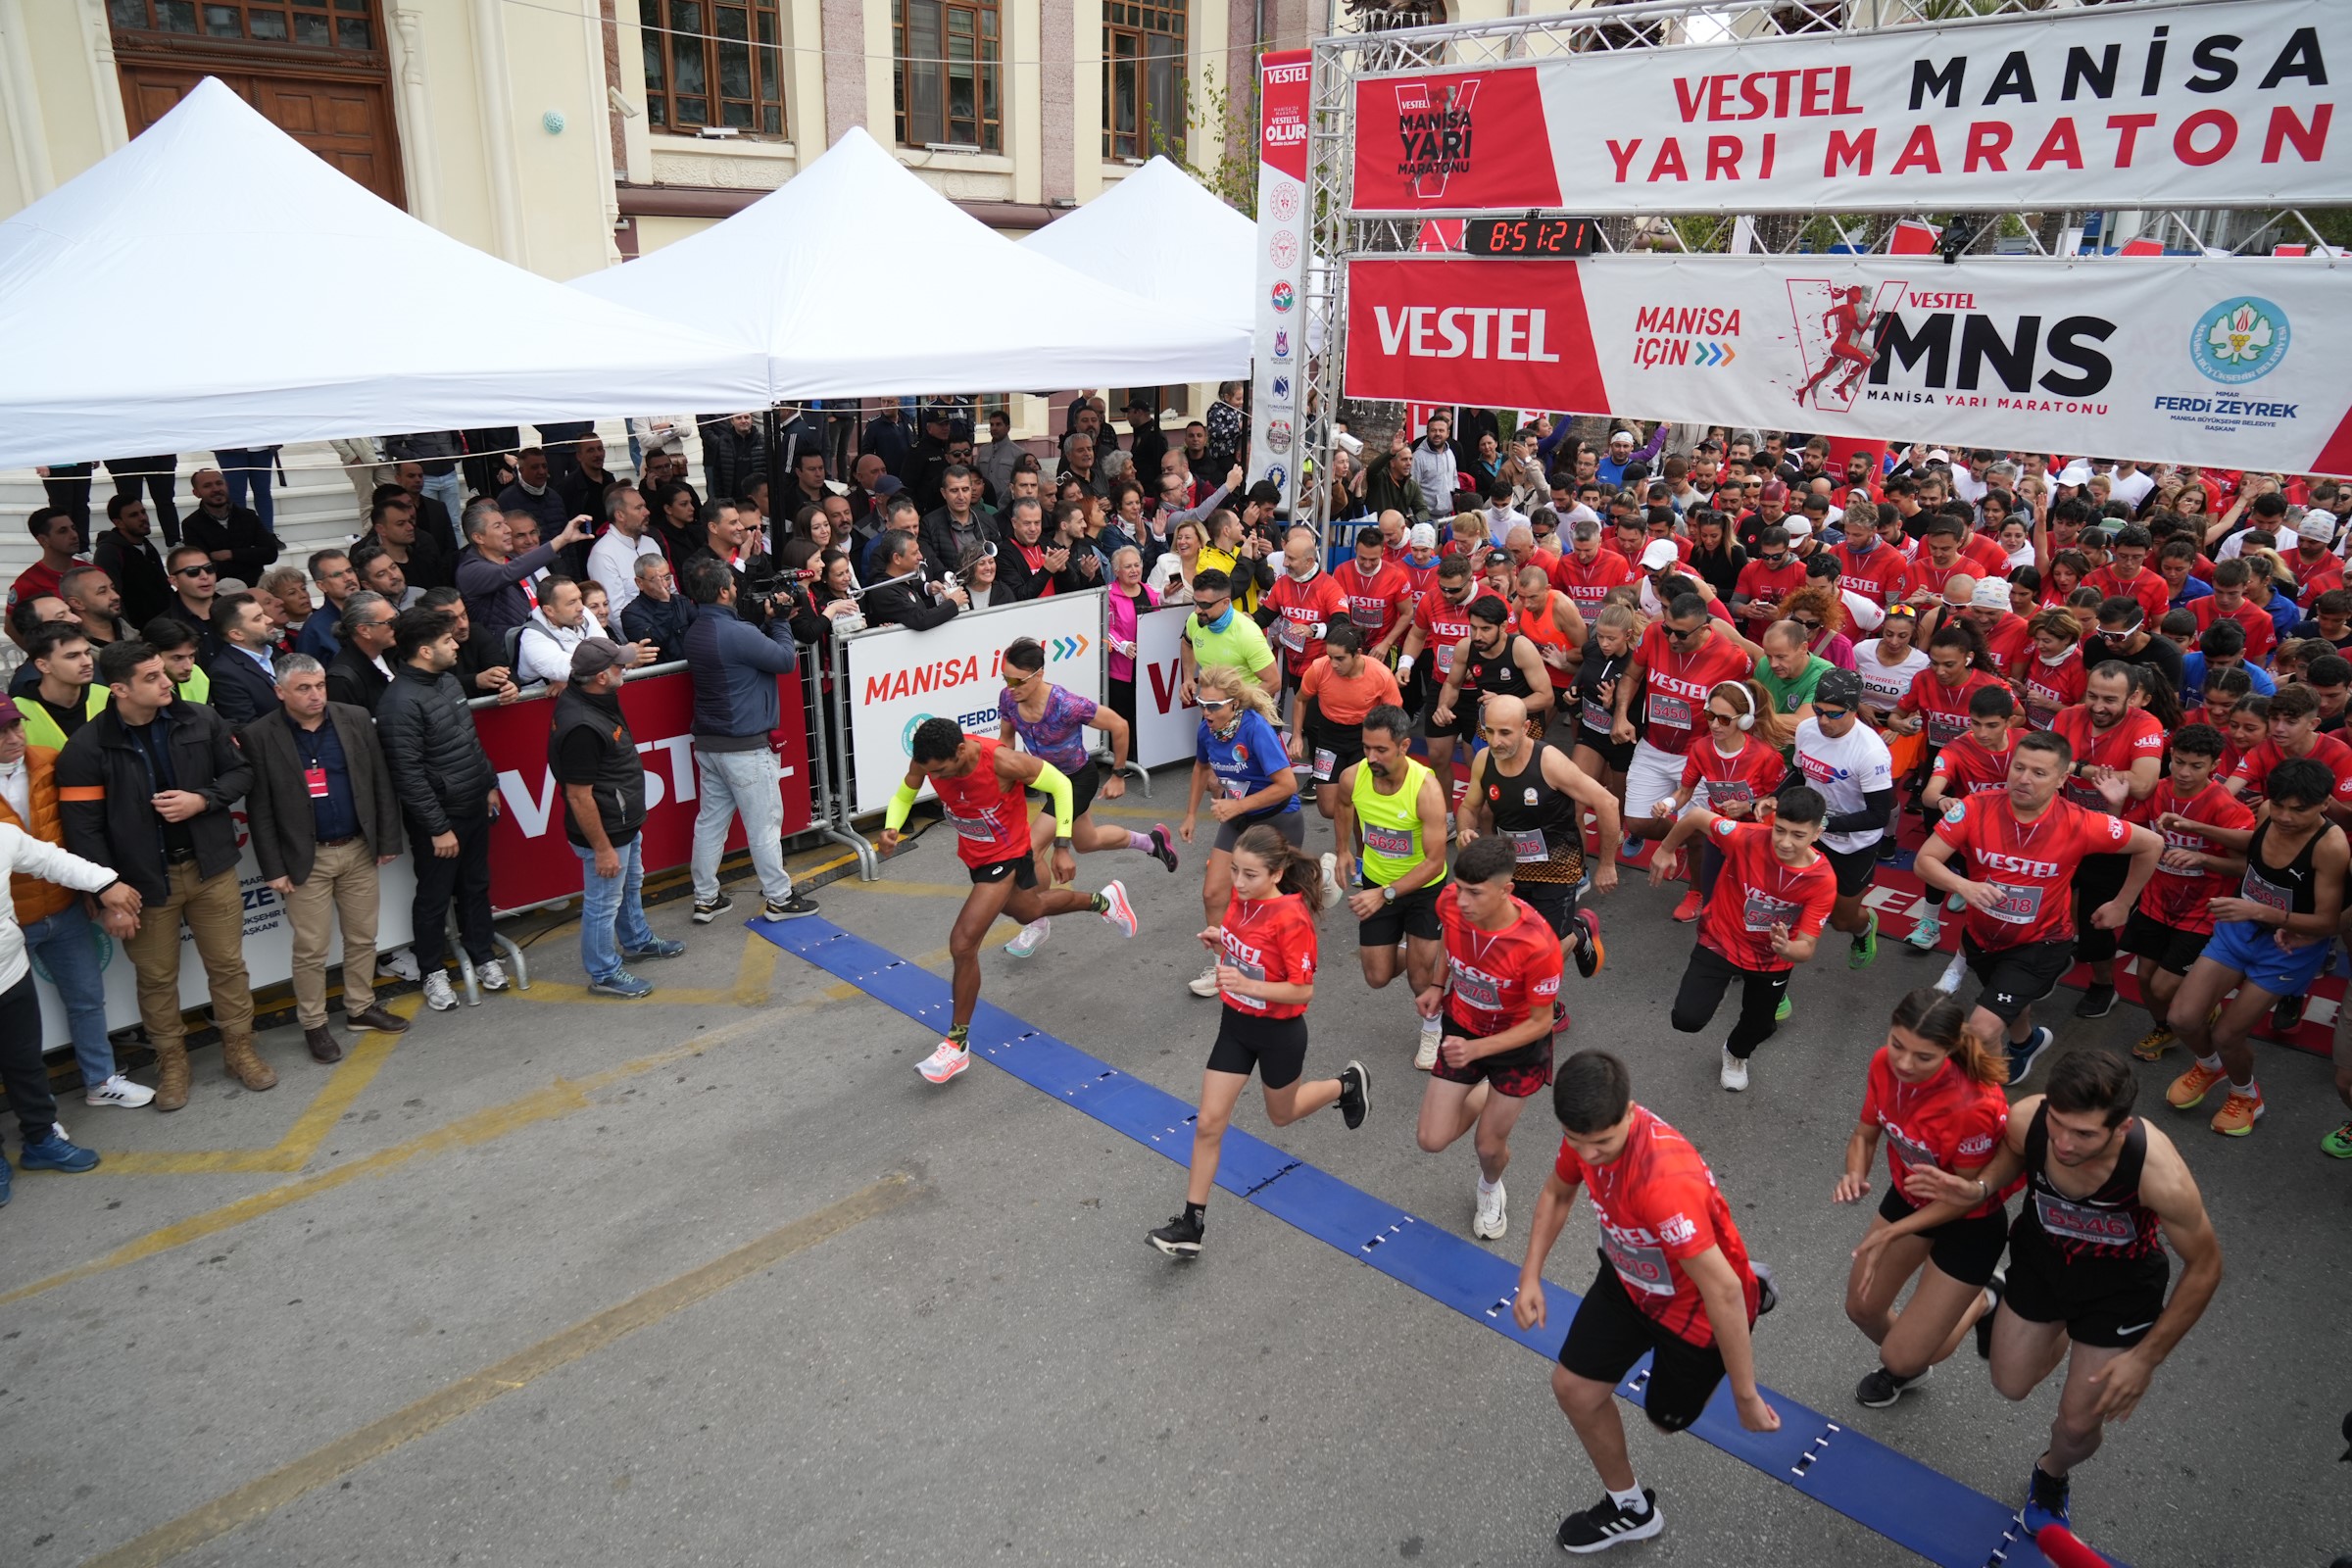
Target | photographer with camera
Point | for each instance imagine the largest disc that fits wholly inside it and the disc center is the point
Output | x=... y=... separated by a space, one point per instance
x=734 y=667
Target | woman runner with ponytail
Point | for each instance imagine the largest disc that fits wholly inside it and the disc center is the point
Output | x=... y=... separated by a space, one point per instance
x=1934 y=1092
x=1264 y=961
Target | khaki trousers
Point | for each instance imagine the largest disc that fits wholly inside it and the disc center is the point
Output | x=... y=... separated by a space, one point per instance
x=214 y=915
x=341 y=885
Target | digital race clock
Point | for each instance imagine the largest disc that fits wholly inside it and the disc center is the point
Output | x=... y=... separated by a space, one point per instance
x=1530 y=236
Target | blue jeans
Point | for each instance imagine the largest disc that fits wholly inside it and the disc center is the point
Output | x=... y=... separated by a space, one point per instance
x=611 y=909
x=449 y=490
x=65 y=948
x=250 y=466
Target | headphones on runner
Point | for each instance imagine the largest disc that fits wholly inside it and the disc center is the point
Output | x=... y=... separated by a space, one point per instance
x=1746 y=720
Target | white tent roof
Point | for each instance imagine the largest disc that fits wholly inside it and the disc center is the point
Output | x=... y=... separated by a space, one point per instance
x=859 y=279
x=1157 y=233
x=144 y=312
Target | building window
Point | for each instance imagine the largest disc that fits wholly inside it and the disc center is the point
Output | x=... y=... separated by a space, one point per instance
x=305 y=24
x=712 y=63
x=948 y=73
x=1142 y=77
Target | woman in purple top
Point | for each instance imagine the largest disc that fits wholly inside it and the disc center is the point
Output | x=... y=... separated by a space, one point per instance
x=1050 y=722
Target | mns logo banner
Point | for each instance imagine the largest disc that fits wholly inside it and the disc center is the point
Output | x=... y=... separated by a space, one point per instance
x=2232 y=362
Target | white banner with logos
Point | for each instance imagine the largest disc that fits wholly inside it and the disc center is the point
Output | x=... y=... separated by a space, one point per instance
x=1167 y=728
x=2113 y=106
x=1279 y=357
x=898 y=678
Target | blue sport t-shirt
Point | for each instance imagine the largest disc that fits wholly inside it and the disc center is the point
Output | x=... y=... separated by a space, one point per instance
x=1247 y=760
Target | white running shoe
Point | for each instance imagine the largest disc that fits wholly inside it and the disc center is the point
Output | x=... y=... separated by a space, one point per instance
x=1734 y=1072
x=1204 y=984
x=1120 y=913
x=401 y=964
x=1493 y=1217
x=437 y=993
x=1331 y=891
x=945 y=1062
x=1954 y=972
x=1030 y=938
x=1432 y=1034
x=491 y=976
x=118 y=1091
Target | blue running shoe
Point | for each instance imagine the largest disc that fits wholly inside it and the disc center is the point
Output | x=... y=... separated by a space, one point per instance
x=57 y=1152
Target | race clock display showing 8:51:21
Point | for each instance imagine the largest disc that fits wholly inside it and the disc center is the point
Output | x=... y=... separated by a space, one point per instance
x=1531 y=235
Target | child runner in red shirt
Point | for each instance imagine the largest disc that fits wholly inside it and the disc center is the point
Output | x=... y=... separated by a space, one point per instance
x=1976 y=762
x=2171 y=924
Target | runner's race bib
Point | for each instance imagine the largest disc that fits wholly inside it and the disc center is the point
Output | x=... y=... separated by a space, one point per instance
x=1669 y=711
x=2079 y=1222
x=979 y=829
x=1597 y=718
x=1446 y=658
x=1945 y=729
x=2019 y=906
x=1474 y=992
x=1249 y=971
x=2260 y=888
x=1237 y=789
x=1723 y=792
x=1369 y=614
x=1643 y=1268
x=1327 y=763
x=1387 y=841
x=1912 y=1150
x=1763 y=912
x=1528 y=845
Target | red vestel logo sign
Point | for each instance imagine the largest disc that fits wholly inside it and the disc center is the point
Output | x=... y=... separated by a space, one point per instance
x=1493 y=333
x=1283 y=100
x=1465 y=141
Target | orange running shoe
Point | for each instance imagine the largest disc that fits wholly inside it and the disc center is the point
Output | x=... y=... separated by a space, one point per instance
x=2239 y=1113
x=2188 y=1090
x=1687 y=911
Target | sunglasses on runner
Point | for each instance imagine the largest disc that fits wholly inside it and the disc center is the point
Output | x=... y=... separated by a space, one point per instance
x=1832 y=715
x=1216 y=704
x=1687 y=636
x=1714 y=717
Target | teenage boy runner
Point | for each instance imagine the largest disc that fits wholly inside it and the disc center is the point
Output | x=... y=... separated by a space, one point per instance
x=1764 y=918
x=2172 y=923
x=2109 y=735
x=1402 y=809
x=1530 y=795
x=1975 y=761
x=1676 y=1284
x=1845 y=760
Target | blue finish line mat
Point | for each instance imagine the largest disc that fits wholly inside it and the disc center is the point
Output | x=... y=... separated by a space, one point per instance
x=1914 y=1507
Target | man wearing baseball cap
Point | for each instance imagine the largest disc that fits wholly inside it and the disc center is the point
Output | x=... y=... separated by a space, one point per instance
x=2315 y=563
x=2008 y=642
x=594 y=756
x=1847 y=761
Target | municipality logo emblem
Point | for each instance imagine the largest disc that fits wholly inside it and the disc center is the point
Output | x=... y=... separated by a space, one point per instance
x=1283 y=295
x=1277 y=475
x=1282 y=342
x=2240 y=340
x=1279 y=389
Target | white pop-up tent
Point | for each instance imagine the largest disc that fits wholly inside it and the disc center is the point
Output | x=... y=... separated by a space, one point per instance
x=144 y=311
x=857 y=278
x=1159 y=234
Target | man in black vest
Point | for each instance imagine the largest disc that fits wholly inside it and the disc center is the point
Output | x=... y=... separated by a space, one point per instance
x=594 y=756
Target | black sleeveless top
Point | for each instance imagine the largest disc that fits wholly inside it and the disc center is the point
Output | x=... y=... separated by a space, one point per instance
x=1544 y=824
x=1497 y=674
x=1596 y=672
x=2110 y=1225
x=2289 y=887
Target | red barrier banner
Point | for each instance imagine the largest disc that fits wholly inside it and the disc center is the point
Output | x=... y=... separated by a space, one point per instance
x=531 y=862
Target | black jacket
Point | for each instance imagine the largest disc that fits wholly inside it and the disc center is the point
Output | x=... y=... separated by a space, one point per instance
x=439 y=768
x=895 y=606
x=240 y=691
x=138 y=570
x=733 y=459
x=941 y=554
x=103 y=786
x=617 y=778
x=352 y=678
x=251 y=547
x=661 y=622
x=278 y=809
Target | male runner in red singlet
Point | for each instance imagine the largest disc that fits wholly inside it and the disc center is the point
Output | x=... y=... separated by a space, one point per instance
x=983 y=786
x=2087 y=1268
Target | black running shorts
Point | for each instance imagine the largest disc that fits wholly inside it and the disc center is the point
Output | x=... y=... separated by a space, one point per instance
x=2105 y=1304
x=1275 y=1047
x=1021 y=868
x=1967 y=1249
x=2016 y=978
x=1410 y=914
x=1610 y=1333
x=2169 y=947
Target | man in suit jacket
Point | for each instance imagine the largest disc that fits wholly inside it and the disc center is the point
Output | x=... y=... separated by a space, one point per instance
x=903 y=604
x=363 y=666
x=324 y=817
x=244 y=681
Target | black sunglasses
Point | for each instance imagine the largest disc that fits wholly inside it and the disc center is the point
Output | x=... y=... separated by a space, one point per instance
x=197 y=571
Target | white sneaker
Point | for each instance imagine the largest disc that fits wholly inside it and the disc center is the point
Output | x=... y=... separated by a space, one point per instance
x=945 y=1062
x=400 y=965
x=1953 y=973
x=118 y=1091
x=437 y=993
x=491 y=976
x=1432 y=1034
x=1204 y=984
x=1491 y=1218
x=1331 y=891
x=1029 y=939
x=1734 y=1072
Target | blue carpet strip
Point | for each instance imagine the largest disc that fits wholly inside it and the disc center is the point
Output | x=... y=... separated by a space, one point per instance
x=1914 y=1507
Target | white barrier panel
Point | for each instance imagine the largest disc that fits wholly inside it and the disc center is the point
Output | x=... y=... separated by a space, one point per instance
x=1167 y=728
x=898 y=678
x=269 y=947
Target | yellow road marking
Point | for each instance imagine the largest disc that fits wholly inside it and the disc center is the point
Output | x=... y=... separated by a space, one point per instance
x=258 y=1499
x=919 y=890
x=748 y=988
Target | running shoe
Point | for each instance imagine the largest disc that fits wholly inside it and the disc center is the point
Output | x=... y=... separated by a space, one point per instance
x=2337 y=1144
x=1433 y=1035
x=1179 y=1237
x=2188 y=1090
x=1687 y=911
x=400 y=965
x=2022 y=1057
x=1163 y=846
x=2239 y=1113
x=1889 y=850
x=1204 y=984
x=1880 y=1387
x=1355 y=1095
x=1864 y=951
x=945 y=1062
x=1606 y=1524
x=1926 y=935
x=1584 y=943
x=438 y=994
x=623 y=984
x=2097 y=1001
x=2287 y=1016
x=1953 y=904
x=1117 y=910
x=57 y=1152
x=2045 y=1500
x=659 y=947
x=491 y=975
x=1734 y=1072
x=1954 y=972
x=1330 y=893
x=705 y=913
x=794 y=908
x=118 y=1091
x=1779 y=1014
x=1994 y=1289
x=1029 y=939
x=2154 y=1043
x=1493 y=1214
x=1768 y=1288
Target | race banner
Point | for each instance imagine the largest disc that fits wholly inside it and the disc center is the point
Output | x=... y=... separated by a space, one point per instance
x=1167 y=728
x=2237 y=363
x=2099 y=106
x=1277 y=364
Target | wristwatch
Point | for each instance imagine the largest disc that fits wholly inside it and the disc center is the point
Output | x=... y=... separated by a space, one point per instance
x=1061 y=842
x=1388 y=894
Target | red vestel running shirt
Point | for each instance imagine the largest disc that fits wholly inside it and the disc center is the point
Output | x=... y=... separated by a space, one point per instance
x=1420 y=579
x=1924 y=573
x=991 y=817
x=2137 y=734
x=1658 y=1205
x=1378 y=602
x=1880 y=574
x=1759 y=581
x=2050 y=689
x=2010 y=646
x=2031 y=865
x=1756 y=891
x=2261 y=631
x=1442 y=625
x=1676 y=688
x=1306 y=611
x=1984 y=553
x=1717 y=781
x=2254 y=768
x=1589 y=586
x=2314 y=578
x=1949 y=1122
x=2178 y=898
x=2149 y=586
x=1945 y=707
x=1496 y=978
x=1967 y=768
x=1270 y=939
